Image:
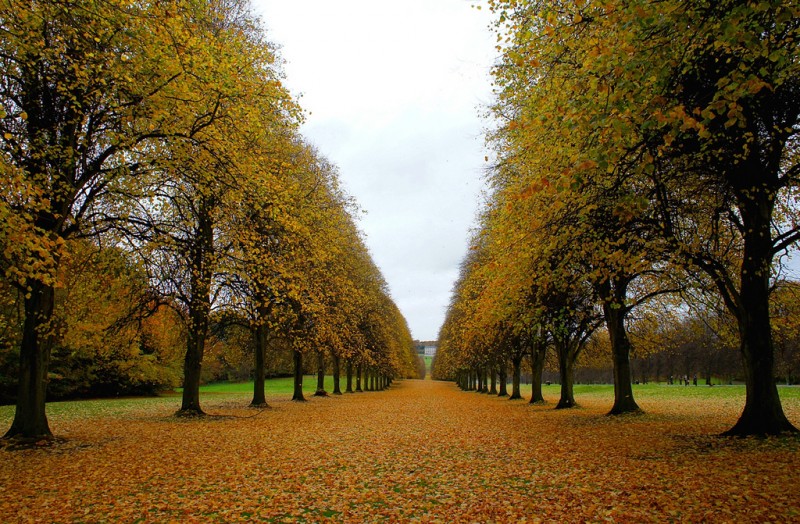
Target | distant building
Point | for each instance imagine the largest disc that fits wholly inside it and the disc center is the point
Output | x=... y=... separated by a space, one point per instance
x=426 y=347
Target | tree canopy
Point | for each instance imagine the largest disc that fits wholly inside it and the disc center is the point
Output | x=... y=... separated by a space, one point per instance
x=642 y=147
x=162 y=132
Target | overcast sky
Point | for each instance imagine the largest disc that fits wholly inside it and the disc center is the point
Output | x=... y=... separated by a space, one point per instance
x=394 y=92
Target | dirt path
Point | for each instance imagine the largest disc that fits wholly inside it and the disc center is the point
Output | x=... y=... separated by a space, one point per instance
x=421 y=451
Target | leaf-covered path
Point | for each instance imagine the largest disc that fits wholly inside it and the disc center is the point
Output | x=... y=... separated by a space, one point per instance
x=421 y=451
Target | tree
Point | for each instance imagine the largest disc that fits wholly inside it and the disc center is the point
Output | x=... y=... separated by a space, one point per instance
x=738 y=77
x=182 y=220
x=694 y=106
x=81 y=95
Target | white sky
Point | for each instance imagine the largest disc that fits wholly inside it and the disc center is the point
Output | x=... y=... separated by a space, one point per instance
x=394 y=92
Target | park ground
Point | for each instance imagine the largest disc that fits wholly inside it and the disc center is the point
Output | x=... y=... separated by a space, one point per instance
x=420 y=451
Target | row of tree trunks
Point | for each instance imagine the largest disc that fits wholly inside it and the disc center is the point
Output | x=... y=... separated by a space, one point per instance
x=371 y=380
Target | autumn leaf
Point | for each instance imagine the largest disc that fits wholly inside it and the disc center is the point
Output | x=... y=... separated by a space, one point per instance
x=421 y=451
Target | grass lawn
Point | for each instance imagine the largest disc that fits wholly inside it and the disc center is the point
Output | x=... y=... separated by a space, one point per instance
x=273 y=386
x=241 y=392
x=654 y=392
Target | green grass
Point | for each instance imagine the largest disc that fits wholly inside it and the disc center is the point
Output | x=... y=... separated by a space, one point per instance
x=662 y=391
x=113 y=407
x=274 y=386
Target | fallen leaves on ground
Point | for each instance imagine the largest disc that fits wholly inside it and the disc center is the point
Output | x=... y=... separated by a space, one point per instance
x=422 y=452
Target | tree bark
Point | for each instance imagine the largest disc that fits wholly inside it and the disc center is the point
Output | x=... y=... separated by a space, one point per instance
x=190 y=404
x=566 y=369
x=298 y=377
x=349 y=373
x=614 y=294
x=30 y=417
x=202 y=270
x=538 y=354
x=259 y=396
x=359 y=370
x=516 y=365
x=502 y=378
x=192 y=364
x=492 y=380
x=320 y=375
x=336 y=375
x=763 y=413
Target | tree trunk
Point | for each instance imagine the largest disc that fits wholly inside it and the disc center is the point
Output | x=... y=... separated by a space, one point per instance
x=202 y=247
x=320 y=375
x=614 y=311
x=763 y=413
x=516 y=366
x=538 y=354
x=481 y=381
x=359 y=370
x=30 y=417
x=349 y=372
x=566 y=369
x=492 y=380
x=259 y=397
x=336 y=378
x=298 y=377
x=198 y=322
x=502 y=379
